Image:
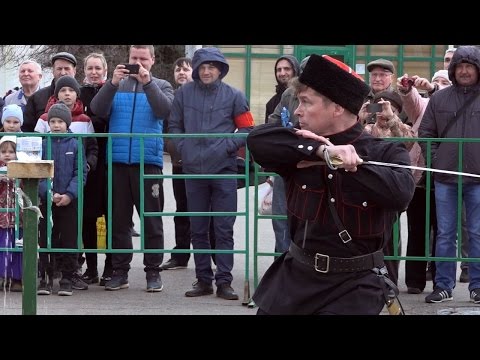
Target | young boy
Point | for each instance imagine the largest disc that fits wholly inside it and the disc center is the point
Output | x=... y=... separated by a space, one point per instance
x=67 y=90
x=64 y=152
x=12 y=118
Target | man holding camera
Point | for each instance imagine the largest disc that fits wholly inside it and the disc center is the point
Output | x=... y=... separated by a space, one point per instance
x=135 y=102
x=381 y=71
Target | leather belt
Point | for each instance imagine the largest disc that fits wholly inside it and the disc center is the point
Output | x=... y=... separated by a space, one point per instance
x=328 y=264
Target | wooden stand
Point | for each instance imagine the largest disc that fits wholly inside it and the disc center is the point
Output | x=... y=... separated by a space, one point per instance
x=30 y=173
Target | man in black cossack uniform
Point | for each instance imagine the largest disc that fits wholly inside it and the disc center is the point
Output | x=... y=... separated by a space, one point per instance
x=338 y=208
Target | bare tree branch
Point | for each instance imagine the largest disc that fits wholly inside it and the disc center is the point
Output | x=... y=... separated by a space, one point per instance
x=11 y=56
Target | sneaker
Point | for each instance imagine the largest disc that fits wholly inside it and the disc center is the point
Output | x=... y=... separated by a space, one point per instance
x=172 y=264
x=475 y=296
x=118 y=281
x=464 y=278
x=106 y=277
x=154 y=282
x=200 y=288
x=44 y=288
x=225 y=291
x=65 y=287
x=88 y=278
x=77 y=283
x=439 y=295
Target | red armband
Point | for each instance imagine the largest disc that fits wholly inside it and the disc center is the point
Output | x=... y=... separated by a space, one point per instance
x=244 y=120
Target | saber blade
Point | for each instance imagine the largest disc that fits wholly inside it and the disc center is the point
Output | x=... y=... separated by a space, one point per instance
x=420 y=168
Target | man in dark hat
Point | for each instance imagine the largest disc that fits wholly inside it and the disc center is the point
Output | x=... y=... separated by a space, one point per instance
x=63 y=63
x=338 y=209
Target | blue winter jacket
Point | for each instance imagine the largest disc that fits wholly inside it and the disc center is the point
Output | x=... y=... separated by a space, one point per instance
x=133 y=108
x=65 y=158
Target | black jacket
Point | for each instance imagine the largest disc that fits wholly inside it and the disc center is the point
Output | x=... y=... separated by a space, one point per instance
x=366 y=202
x=36 y=105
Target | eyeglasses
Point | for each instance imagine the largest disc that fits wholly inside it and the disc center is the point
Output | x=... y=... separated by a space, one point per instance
x=447 y=59
x=380 y=75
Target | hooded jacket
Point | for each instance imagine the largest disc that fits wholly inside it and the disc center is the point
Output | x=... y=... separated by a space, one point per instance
x=441 y=110
x=214 y=108
x=280 y=88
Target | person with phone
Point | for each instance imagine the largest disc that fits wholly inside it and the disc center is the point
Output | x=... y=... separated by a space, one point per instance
x=381 y=79
x=386 y=106
x=135 y=103
x=338 y=213
x=414 y=105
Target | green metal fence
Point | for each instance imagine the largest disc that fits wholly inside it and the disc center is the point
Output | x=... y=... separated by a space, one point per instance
x=258 y=220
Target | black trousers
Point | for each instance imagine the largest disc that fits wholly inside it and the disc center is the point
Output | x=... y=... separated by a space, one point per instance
x=415 y=270
x=388 y=250
x=126 y=194
x=64 y=235
x=182 y=223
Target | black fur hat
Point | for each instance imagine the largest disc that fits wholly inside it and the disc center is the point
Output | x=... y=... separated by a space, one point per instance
x=335 y=80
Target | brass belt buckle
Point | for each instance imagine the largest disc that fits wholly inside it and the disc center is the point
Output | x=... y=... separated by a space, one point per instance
x=327 y=267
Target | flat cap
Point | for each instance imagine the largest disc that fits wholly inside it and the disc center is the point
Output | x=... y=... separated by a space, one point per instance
x=65 y=56
x=383 y=63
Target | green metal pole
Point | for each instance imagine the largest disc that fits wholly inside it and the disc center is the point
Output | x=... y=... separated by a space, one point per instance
x=30 y=238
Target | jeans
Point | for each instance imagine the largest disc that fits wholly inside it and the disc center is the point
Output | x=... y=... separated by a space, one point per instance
x=217 y=195
x=446 y=200
x=279 y=207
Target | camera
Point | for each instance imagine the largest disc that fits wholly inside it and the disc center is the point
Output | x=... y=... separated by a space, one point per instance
x=374 y=108
x=133 y=68
x=407 y=82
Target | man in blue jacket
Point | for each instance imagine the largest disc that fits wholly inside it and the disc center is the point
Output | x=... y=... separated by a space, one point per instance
x=135 y=103
x=206 y=106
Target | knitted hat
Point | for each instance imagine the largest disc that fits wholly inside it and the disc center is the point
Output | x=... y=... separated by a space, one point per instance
x=8 y=138
x=391 y=96
x=12 y=110
x=64 y=56
x=335 y=80
x=383 y=63
x=68 y=81
x=442 y=74
x=61 y=111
